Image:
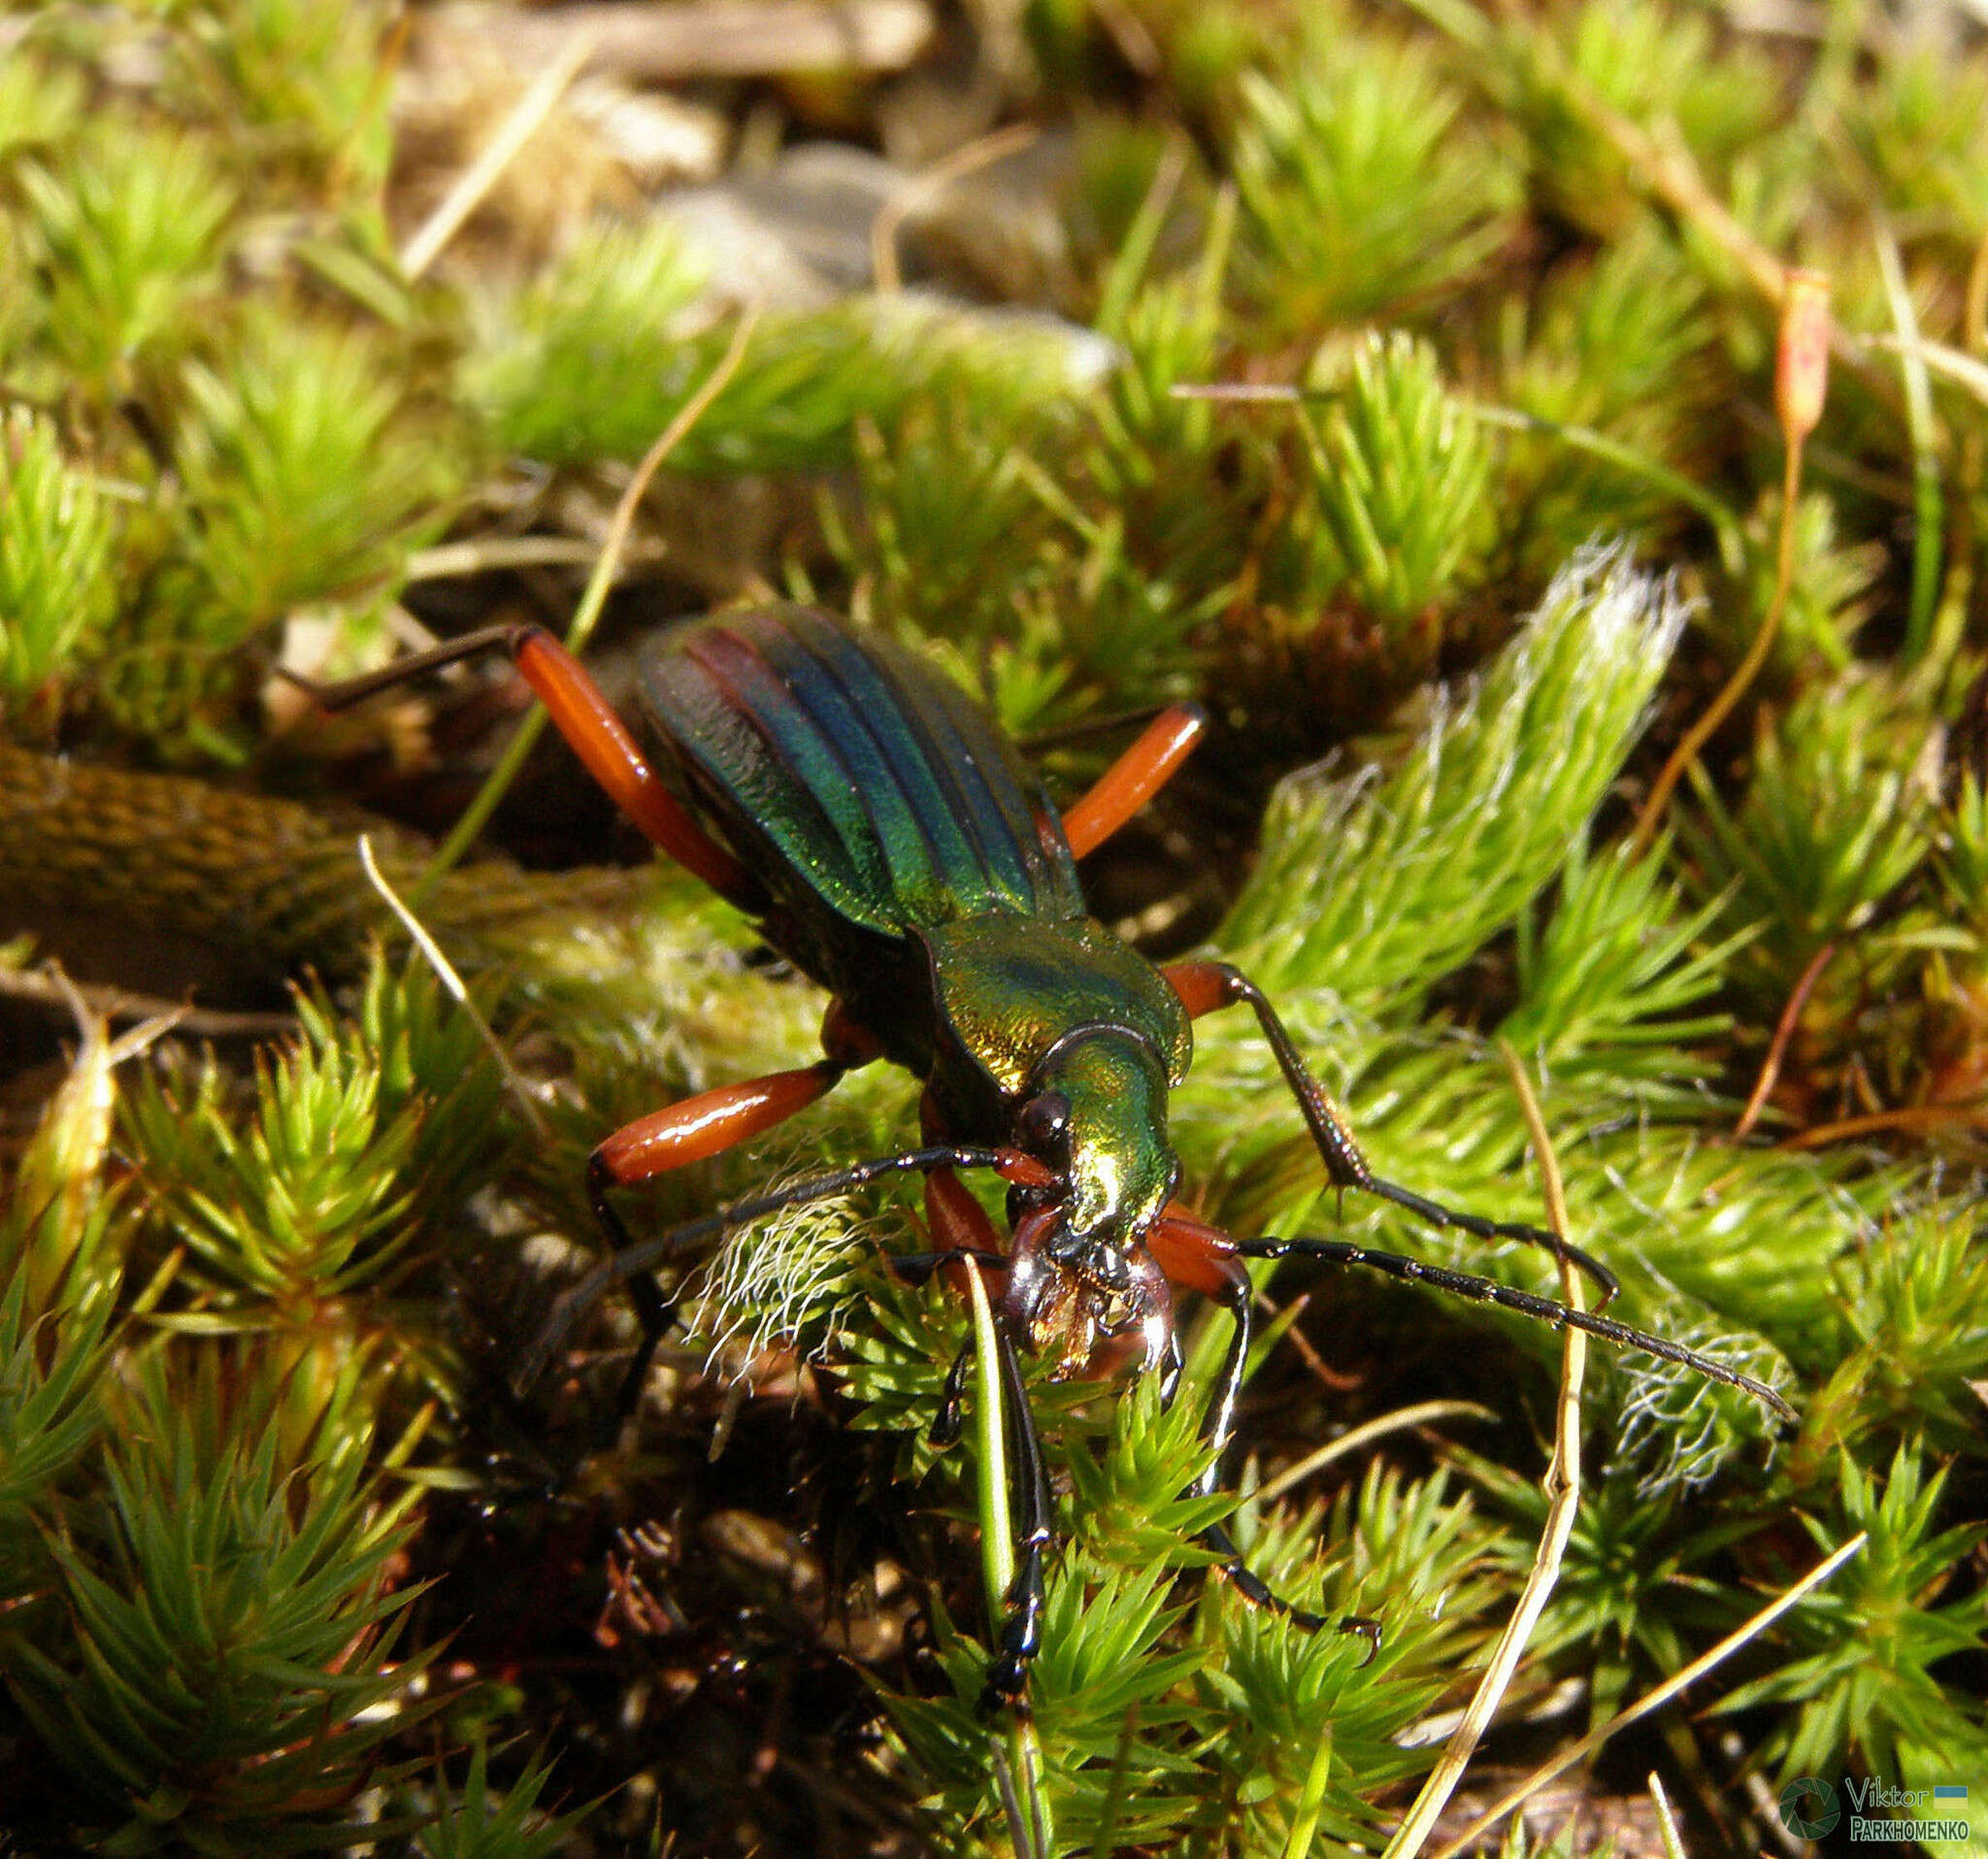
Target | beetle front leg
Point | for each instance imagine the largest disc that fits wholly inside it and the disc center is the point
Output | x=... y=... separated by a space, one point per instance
x=1204 y=1258
x=1021 y=1631
x=1204 y=986
x=1506 y=1297
x=959 y=1229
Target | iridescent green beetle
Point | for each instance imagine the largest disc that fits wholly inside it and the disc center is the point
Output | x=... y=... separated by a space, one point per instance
x=889 y=842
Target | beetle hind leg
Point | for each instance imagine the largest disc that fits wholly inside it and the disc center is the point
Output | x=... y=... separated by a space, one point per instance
x=1134 y=778
x=593 y=731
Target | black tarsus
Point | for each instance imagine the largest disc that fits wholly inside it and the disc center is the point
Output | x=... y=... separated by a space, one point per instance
x=947 y=1421
x=355 y=691
x=1437 y=1216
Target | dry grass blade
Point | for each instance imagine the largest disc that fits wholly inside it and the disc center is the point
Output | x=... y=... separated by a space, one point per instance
x=520 y=123
x=1655 y=1700
x=1963 y=370
x=920 y=190
x=444 y=971
x=667 y=441
x=121 y=1004
x=103 y=1055
x=674 y=44
x=1667 y=1821
x=486 y=554
x=997 y=1529
x=1801 y=378
x=1777 y=1048
x=1027 y=1809
x=1563 y=1489
x=1358 y=1438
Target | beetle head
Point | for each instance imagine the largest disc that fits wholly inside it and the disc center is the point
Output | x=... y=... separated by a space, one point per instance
x=1097 y=1118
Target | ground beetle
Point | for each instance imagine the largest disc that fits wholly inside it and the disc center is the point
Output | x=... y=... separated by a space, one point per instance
x=891 y=843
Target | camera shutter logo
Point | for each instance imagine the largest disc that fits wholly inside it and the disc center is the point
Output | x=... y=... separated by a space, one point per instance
x=1809 y=1807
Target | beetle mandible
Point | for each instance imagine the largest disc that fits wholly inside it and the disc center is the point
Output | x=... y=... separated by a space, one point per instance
x=889 y=841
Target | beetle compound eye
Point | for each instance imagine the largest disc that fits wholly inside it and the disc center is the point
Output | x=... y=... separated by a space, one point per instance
x=1043 y=1127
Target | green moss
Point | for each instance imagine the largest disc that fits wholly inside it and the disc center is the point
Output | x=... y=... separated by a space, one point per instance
x=248 y=1313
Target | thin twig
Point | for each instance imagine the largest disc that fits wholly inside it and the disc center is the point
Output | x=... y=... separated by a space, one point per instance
x=1974 y=301
x=1777 y=1048
x=127 y=1044
x=1917 y=1119
x=657 y=45
x=1654 y=1701
x=520 y=123
x=481 y=555
x=1322 y=1372
x=1963 y=370
x=921 y=189
x=1801 y=384
x=119 y=1004
x=1563 y=1488
x=1243 y=391
x=667 y=441
x=1734 y=688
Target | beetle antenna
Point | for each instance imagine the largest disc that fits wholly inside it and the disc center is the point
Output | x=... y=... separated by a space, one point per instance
x=1490 y=1292
x=633 y=1260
